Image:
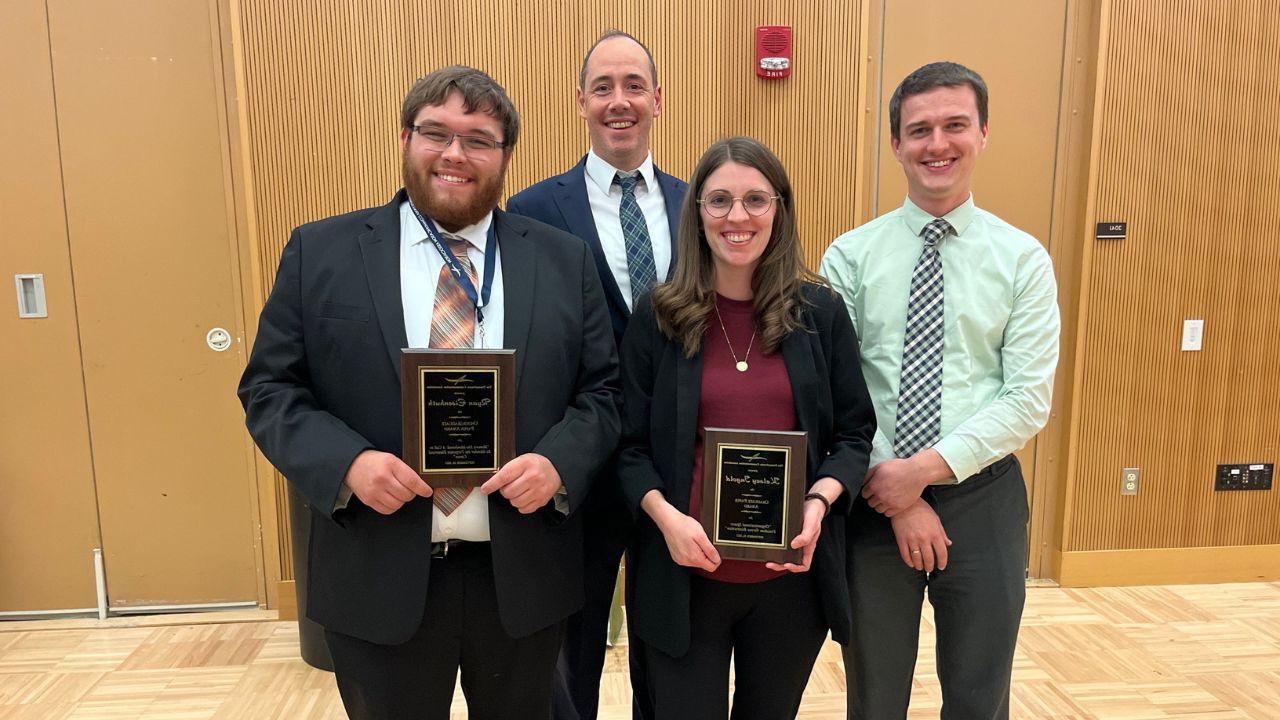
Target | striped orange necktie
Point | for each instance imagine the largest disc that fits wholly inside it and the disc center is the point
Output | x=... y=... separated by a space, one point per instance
x=453 y=325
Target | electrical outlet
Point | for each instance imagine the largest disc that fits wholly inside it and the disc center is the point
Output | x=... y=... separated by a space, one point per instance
x=1129 y=481
x=1244 y=476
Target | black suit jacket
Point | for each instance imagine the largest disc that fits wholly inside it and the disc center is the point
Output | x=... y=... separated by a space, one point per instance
x=323 y=384
x=561 y=201
x=661 y=393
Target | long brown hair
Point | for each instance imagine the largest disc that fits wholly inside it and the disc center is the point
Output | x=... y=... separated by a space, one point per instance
x=684 y=305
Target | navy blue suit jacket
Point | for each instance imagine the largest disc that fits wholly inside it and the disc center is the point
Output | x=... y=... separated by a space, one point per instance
x=561 y=202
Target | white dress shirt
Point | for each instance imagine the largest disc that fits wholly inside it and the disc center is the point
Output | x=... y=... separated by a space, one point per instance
x=420 y=265
x=605 y=197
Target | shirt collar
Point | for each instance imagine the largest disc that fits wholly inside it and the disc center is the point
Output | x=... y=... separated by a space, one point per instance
x=601 y=172
x=959 y=218
x=475 y=235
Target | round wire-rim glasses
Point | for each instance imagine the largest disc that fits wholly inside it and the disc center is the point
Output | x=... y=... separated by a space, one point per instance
x=755 y=202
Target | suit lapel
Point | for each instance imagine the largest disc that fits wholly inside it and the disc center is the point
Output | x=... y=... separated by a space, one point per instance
x=380 y=248
x=519 y=280
x=673 y=196
x=802 y=375
x=688 y=392
x=571 y=200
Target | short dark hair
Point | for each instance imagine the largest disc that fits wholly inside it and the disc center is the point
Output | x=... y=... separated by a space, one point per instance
x=479 y=93
x=930 y=77
x=609 y=35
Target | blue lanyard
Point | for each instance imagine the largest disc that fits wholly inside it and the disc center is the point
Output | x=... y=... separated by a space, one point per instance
x=478 y=300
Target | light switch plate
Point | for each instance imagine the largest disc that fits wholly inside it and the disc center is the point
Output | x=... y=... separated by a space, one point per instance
x=1192 y=335
x=31 y=302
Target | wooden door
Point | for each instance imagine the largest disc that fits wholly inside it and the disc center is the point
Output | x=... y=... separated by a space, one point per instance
x=1020 y=58
x=48 y=518
x=141 y=123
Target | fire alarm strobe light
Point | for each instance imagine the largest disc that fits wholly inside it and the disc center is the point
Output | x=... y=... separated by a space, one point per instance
x=773 y=51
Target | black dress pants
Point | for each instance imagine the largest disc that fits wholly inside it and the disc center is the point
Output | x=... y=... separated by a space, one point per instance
x=607 y=527
x=773 y=631
x=977 y=601
x=502 y=677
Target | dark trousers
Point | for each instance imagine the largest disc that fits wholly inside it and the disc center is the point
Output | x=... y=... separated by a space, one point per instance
x=607 y=526
x=772 y=630
x=502 y=677
x=977 y=601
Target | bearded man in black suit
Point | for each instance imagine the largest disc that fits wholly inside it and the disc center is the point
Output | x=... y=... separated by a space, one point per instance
x=410 y=588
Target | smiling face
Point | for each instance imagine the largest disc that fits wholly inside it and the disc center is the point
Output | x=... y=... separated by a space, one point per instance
x=453 y=187
x=738 y=239
x=939 y=141
x=619 y=101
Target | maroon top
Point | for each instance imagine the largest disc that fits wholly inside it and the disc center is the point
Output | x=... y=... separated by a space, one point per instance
x=758 y=399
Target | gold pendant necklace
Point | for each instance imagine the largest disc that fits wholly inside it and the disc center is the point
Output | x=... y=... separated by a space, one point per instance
x=741 y=365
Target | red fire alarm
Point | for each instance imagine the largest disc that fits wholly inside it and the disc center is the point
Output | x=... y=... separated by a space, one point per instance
x=773 y=51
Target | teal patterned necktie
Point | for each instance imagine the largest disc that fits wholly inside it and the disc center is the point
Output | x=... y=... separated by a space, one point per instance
x=635 y=237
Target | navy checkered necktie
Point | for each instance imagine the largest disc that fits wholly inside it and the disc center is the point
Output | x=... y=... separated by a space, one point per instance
x=635 y=237
x=919 y=422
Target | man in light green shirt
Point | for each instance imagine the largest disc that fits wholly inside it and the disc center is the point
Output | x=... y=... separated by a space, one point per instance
x=958 y=319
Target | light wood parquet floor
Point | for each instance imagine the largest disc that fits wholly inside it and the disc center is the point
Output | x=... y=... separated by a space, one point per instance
x=1202 y=652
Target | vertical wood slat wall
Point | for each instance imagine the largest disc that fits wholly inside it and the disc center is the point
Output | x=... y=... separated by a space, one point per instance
x=324 y=80
x=1187 y=158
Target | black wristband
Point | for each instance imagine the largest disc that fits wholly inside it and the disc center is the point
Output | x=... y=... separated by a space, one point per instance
x=825 y=502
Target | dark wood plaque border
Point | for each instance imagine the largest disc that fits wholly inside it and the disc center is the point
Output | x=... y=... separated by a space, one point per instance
x=411 y=361
x=796 y=485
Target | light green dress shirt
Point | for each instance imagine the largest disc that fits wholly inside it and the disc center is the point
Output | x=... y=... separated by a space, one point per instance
x=1000 y=336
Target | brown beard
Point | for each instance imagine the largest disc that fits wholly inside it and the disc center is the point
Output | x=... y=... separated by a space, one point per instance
x=450 y=214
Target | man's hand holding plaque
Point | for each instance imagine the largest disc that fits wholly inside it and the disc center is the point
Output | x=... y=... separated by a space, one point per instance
x=383 y=482
x=528 y=482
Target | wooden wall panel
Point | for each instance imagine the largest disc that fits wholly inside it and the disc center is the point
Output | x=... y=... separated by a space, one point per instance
x=1067 y=238
x=1188 y=98
x=323 y=81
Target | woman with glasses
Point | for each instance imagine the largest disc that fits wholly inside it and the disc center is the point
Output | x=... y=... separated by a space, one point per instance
x=746 y=337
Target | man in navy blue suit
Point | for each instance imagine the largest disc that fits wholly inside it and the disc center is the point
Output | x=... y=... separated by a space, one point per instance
x=626 y=210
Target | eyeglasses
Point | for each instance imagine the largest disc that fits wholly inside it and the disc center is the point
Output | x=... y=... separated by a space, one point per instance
x=440 y=140
x=720 y=204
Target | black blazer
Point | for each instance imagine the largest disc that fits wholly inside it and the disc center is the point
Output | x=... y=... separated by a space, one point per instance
x=661 y=392
x=323 y=384
x=561 y=201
